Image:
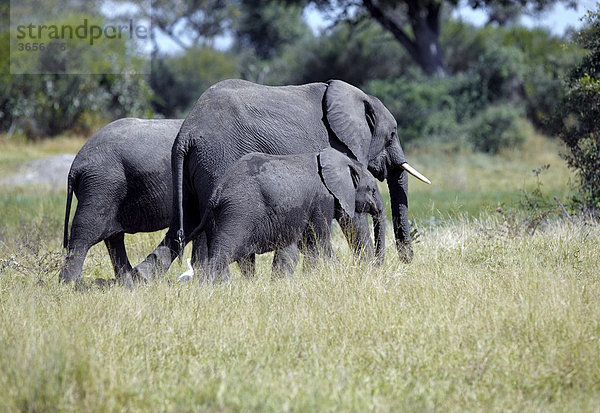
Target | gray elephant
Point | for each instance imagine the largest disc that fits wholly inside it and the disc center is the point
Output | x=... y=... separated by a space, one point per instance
x=236 y=117
x=286 y=203
x=122 y=180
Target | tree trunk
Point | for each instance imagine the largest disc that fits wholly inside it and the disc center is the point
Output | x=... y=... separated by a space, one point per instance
x=426 y=30
x=423 y=46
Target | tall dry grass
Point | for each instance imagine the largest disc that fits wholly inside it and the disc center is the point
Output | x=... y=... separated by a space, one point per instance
x=485 y=318
x=490 y=316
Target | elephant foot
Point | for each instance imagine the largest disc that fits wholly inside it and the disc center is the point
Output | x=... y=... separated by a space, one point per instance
x=405 y=253
x=142 y=273
x=104 y=283
x=154 y=266
x=125 y=279
x=379 y=259
x=365 y=253
x=69 y=275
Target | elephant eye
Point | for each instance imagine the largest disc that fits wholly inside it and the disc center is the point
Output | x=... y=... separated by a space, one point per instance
x=393 y=136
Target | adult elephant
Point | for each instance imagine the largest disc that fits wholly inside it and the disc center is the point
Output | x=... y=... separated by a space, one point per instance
x=235 y=117
x=122 y=180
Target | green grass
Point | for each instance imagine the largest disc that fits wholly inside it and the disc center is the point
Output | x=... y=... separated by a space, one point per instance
x=15 y=151
x=488 y=317
x=465 y=183
x=480 y=321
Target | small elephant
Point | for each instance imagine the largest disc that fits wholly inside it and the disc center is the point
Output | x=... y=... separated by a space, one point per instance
x=286 y=203
x=122 y=180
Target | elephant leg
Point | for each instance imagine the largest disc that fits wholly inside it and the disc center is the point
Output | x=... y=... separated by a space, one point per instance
x=118 y=256
x=157 y=263
x=284 y=261
x=199 y=251
x=311 y=255
x=358 y=235
x=248 y=265
x=217 y=269
x=214 y=270
x=71 y=270
x=85 y=232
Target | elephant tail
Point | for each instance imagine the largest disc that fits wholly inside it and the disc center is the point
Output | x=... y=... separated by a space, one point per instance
x=70 y=187
x=200 y=228
x=178 y=155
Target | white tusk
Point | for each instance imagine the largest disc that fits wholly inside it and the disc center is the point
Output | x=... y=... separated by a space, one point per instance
x=414 y=172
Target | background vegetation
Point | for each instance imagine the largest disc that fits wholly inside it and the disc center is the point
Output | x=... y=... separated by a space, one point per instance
x=576 y=119
x=484 y=69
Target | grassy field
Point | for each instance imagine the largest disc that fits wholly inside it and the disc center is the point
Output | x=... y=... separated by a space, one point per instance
x=488 y=317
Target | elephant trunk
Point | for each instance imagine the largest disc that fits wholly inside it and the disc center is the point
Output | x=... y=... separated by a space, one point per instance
x=398 y=186
x=178 y=155
x=379 y=229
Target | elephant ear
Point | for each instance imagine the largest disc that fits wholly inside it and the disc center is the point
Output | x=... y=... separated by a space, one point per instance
x=339 y=177
x=350 y=117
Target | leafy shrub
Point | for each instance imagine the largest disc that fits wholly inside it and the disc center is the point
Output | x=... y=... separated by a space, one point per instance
x=353 y=53
x=453 y=109
x=46 y=105
x=178 y=81
x=42 y=105
x=576 y=120
x=423 y=108
x=525 y=66
x=496 y=128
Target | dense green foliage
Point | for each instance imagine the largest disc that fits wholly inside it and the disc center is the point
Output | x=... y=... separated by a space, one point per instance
x=500 y=75
x=496 y=128
x=577 y=119
x=267 y=27
x=496 y=75
x=416 y=24
x=55 y=89
x=178 y=81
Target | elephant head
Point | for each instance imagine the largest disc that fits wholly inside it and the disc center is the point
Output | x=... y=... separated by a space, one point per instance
x=367 y=131
x=356 y=190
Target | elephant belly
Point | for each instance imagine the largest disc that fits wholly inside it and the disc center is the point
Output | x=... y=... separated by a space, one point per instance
x=148 y=208
x=279 y=230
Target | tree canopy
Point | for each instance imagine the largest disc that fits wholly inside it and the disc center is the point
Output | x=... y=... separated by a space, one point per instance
x=491 y=75
x=416 y=24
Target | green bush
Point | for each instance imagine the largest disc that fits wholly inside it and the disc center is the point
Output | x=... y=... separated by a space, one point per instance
x=496 y=128
x=353 y=53
x=54 y=101
x=457 y=109
x=423 y=108
x=48 y=104
x=525 y=66
x=576 y=119
x=178 y=81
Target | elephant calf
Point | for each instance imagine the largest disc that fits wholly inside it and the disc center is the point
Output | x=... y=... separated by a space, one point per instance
x=286 y=203
x=122 y=180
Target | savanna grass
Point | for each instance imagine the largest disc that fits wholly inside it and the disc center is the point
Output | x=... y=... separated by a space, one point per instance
x=479 y=321
x=490 y=316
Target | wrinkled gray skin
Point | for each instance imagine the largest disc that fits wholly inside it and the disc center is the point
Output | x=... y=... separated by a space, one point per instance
x=286 y=203
x=122 y=180
x=236 y=117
